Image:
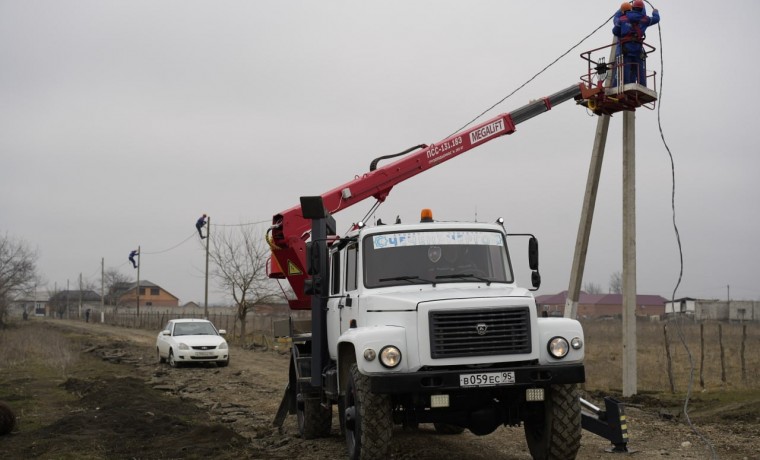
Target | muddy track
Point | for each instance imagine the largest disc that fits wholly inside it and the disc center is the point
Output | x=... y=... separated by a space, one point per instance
x=243 y=398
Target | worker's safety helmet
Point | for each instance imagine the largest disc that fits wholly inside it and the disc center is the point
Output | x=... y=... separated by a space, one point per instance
x=625 y=7
x=638 y=4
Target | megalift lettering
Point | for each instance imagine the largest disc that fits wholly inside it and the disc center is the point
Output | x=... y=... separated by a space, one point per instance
x=484 y=132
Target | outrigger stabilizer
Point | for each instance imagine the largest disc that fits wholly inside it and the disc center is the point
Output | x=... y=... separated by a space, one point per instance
x=610 y=423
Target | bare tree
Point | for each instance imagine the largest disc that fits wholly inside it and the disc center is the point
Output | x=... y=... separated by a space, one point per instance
x=113 y=280
x=240 y=267
x=616 y=283
x=592 y=288
x=18 y=271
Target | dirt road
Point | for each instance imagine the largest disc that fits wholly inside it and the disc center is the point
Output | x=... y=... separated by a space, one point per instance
x=120 y=403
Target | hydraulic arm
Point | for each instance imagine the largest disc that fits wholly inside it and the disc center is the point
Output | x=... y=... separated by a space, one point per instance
x=290 y=230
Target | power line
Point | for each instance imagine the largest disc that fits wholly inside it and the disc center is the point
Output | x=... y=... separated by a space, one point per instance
x=533 y=77
x=679 y=327
x=169 y=249
x=243 y=225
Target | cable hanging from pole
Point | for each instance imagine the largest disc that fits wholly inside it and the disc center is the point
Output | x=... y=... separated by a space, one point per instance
x=533 y=77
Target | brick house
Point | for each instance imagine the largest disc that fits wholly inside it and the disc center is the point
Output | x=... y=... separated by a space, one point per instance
x=151 y=295
x=601 y=305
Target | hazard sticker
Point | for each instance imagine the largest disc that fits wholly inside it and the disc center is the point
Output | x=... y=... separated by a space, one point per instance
x=293 y=269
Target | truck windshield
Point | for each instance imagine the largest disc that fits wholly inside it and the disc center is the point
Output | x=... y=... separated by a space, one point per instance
x=433 y=257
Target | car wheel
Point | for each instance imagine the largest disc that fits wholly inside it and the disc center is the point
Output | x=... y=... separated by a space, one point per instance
x=161 y=359
x=172 y=362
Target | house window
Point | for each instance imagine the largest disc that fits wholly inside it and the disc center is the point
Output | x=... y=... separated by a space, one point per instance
x=143 y=291
x=153 y=291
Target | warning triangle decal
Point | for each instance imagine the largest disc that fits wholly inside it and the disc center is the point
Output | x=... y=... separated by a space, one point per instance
x=293 y=269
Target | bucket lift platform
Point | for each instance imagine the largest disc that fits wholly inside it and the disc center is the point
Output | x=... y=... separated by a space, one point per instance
x=604 y=99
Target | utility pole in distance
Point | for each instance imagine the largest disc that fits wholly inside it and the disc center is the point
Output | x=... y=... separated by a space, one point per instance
x=208 y=239
x=139 y=264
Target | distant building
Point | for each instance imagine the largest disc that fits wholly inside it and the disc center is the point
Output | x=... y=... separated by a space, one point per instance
x=151 y=295
x=601 y=305
x=72 y=303
x=715 y=310
x=32 y=303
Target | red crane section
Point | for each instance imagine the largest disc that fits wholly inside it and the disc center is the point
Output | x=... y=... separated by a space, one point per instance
x=290 y=230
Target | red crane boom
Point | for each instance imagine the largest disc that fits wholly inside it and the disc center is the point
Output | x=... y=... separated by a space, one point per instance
x=289 y=231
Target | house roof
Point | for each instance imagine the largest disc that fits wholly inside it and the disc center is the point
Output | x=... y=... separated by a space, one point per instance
x=123 y=288
x=599 y=299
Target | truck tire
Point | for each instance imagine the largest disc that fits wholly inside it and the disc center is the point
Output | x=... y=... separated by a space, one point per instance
x=554 y=431
x=368 y=419
x=314 y=421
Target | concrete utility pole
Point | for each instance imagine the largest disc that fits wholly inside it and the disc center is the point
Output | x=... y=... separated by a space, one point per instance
x=629 y=254
x=102 y=284
x=208 y=239
x=139 y=264
x=589 y=203
x=587 y=216
x=629 y=225
x=80 y=295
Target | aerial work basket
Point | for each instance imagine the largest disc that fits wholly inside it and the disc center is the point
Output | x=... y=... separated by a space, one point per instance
x=606 y=90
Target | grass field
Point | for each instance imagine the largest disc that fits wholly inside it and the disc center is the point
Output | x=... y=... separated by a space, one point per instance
x=604 y=349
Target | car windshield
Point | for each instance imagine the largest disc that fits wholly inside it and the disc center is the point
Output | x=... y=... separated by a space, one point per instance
x=199 y=328
x=432 y=257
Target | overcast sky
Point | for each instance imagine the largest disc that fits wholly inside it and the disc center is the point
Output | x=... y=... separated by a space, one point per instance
x=122 y=121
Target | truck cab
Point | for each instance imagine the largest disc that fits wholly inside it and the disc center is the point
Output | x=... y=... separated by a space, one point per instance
x=425 y=324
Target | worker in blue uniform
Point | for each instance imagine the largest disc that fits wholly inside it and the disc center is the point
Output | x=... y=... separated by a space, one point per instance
x=630 y=25
x=199 y=225
x=132 y=257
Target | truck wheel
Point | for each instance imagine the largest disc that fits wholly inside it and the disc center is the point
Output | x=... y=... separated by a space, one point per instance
x=314 y=421
x=554 y=431
x=447 y=428
x=368 y=419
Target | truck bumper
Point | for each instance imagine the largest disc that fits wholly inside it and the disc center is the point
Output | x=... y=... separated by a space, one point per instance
x=436 y=381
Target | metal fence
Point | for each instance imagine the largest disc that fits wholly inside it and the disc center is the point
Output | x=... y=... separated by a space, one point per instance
x=259 y=328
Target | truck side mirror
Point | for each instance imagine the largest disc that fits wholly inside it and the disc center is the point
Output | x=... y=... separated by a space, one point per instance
x=535 y=280
x=533 y=254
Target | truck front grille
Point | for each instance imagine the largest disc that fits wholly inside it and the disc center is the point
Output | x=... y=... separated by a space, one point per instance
x=493 y=331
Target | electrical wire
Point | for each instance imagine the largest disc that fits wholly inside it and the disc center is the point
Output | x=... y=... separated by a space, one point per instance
x=533 y=77
x=243 y=225
x=169 y=249
x=679 y=327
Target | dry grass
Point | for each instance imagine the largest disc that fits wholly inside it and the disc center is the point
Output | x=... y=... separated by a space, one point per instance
x=23 y=347
x=604 y=349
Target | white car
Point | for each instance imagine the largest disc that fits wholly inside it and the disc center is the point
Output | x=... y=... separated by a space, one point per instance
x=192 y=341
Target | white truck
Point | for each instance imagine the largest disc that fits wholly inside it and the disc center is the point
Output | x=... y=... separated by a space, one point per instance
x=424 y=322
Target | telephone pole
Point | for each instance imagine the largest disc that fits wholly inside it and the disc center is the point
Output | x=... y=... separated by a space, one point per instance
x=102 y=284
x=208 y=239
x=139 y=264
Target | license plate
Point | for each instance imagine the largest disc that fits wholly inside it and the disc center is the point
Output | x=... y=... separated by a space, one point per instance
x=204 y=353
x=487 y=379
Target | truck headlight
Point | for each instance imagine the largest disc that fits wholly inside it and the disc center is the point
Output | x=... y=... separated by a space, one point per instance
x=558 y=347
x=390 y=356
x=576 y=343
